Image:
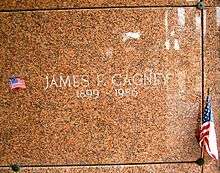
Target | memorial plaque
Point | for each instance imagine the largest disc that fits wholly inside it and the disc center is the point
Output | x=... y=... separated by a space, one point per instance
x=102 y=86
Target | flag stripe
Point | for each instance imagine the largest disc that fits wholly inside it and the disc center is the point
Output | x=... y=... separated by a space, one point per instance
x=207 y=136
x=205 y=126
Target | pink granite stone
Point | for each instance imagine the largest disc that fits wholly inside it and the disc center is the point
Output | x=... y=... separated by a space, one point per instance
x=152 y=55
x=154 y=168
x=212 y=3
x=51 y=4
x=212 y=74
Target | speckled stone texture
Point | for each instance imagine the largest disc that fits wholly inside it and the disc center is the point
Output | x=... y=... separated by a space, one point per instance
x=155 y=120
x=212 y=3
x=212 y=73
x=50 y=4
x=154 y=168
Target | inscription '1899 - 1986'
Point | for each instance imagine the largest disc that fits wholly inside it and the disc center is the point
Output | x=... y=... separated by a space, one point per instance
x=123 y=84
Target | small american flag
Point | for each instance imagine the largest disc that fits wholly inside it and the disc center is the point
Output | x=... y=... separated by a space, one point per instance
x=207 y=137
x=16 y=82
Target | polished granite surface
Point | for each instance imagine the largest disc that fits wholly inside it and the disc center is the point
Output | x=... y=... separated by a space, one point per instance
x=106 y=86
x=103 y=86
x=154 y=168
x=212 y=73
x=51 y=4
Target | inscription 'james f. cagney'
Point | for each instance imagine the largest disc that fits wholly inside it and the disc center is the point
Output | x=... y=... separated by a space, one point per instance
x=122 y=83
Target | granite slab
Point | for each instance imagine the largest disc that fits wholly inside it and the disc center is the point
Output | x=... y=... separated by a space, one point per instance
x=154 y=168
x=103 y=86
x=52 y=4
x=212 y=74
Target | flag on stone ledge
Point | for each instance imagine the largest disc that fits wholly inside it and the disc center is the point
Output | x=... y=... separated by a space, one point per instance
x=207 y=136
x=16 y=83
